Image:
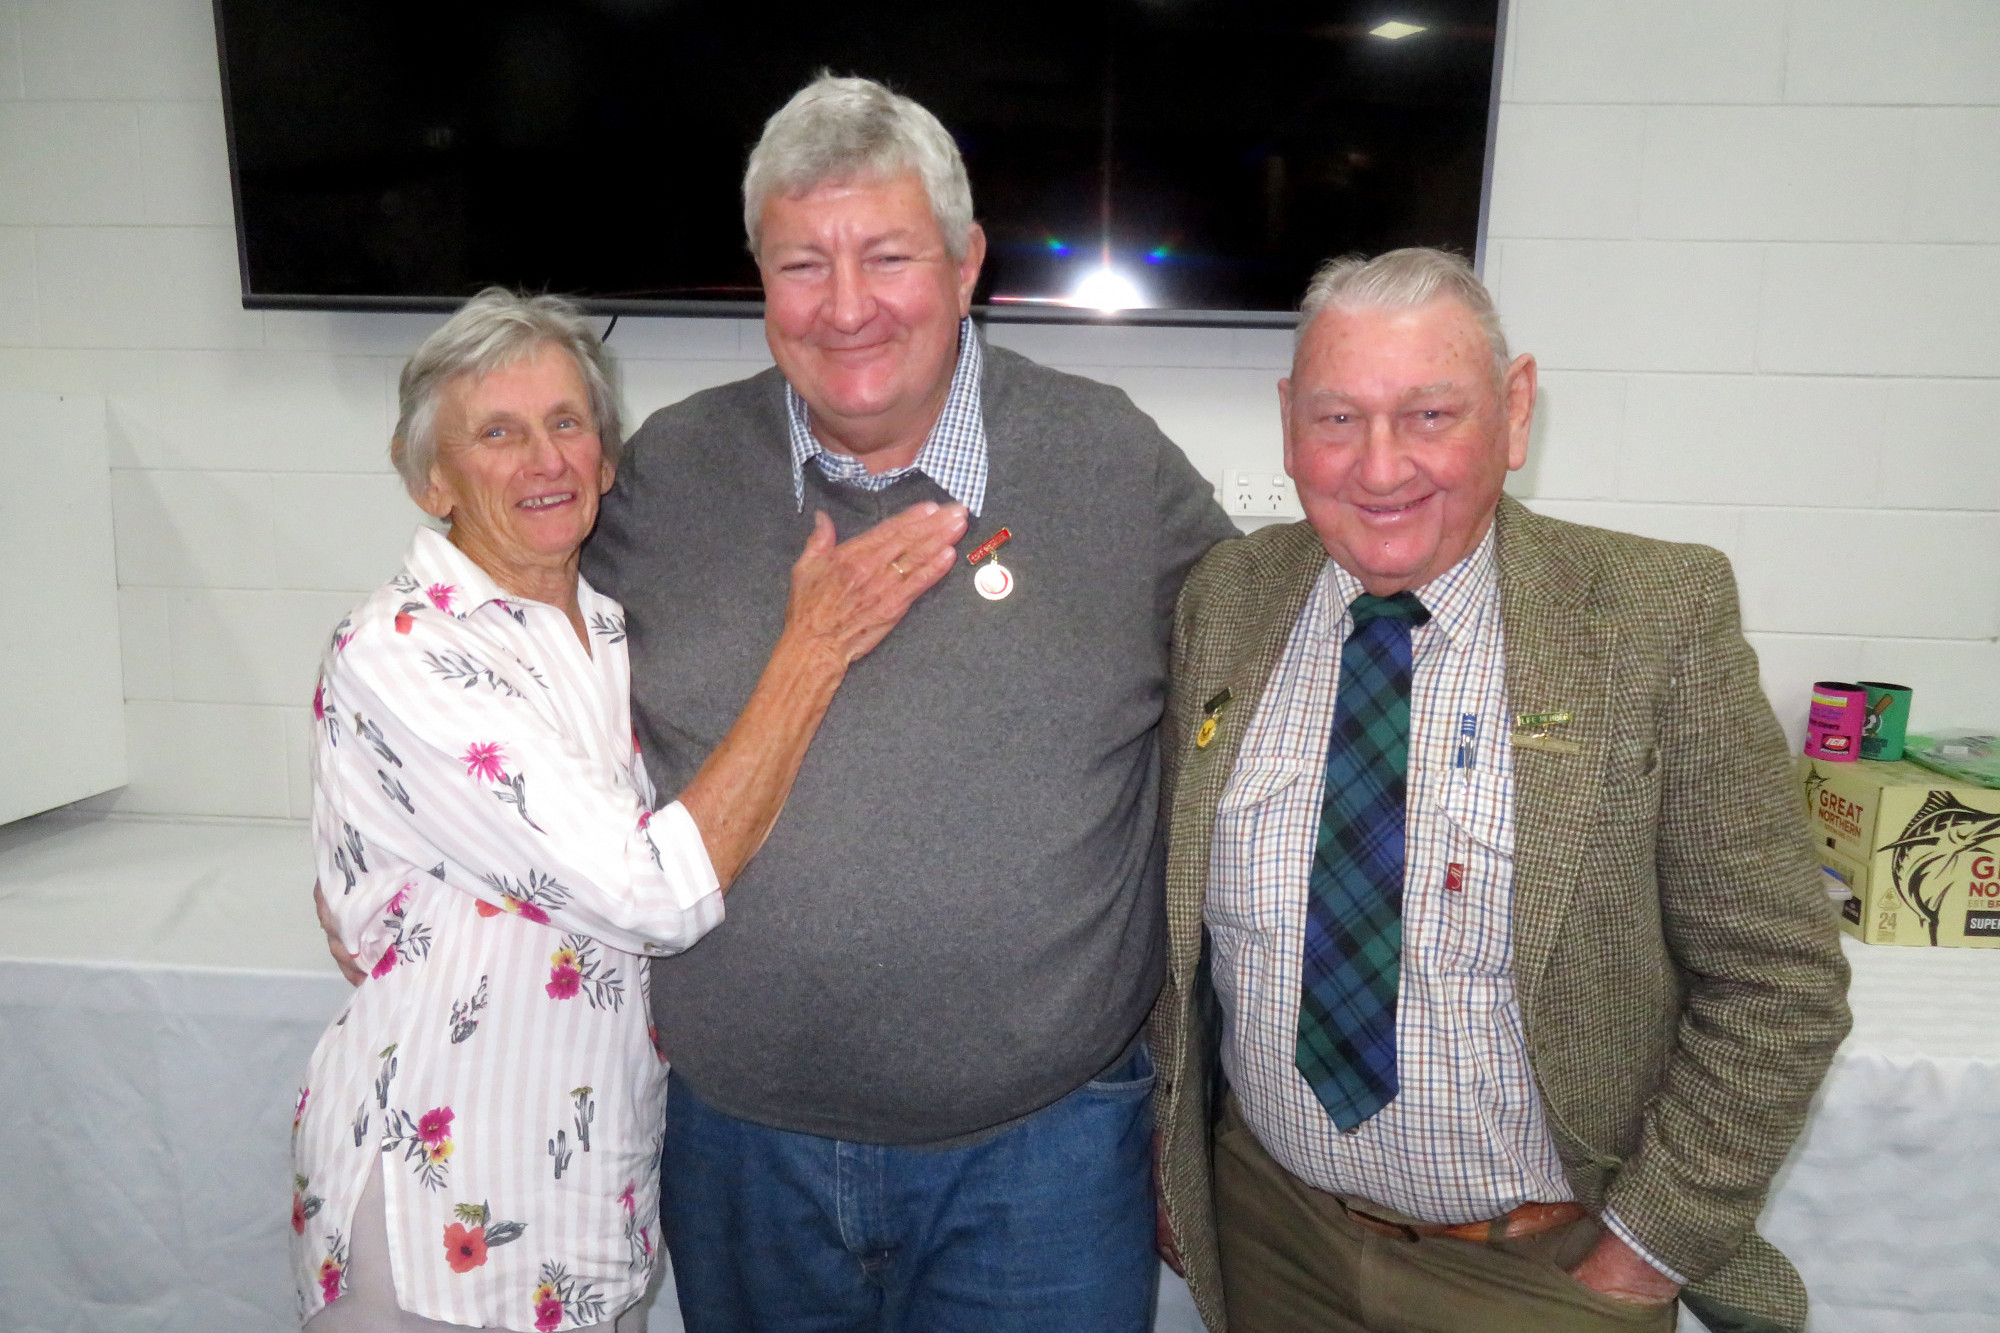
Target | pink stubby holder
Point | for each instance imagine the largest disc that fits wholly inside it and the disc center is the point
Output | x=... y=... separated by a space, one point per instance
x=1833 y=724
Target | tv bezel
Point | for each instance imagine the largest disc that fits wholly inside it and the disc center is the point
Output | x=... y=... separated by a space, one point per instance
x=998 y=313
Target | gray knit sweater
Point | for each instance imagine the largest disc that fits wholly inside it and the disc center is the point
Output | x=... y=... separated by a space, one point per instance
x=958 y=918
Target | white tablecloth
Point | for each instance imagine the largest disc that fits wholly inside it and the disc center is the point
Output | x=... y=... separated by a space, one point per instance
x=162 y=984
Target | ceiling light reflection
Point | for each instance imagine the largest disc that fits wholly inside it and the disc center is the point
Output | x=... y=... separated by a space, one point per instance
x=1107 y=289
x=1395 y=30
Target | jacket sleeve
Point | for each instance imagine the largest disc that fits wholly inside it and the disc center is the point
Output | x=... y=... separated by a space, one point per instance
x=1754 y=944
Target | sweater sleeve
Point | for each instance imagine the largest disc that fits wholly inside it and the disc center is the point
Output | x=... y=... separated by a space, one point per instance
x=1190 y=522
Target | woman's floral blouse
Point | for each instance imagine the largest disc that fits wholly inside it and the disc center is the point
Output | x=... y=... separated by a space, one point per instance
x=483 y=829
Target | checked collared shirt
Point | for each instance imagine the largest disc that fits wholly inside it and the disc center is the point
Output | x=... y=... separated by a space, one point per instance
x=1465 y=1139
x=954 y=455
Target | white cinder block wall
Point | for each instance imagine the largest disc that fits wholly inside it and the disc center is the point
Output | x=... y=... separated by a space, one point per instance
x=1756 y=245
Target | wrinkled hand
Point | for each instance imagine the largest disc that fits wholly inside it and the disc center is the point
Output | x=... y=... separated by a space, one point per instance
x=1164 y=1243
x=1613 y=1269
x=847 y=597
x=349 y=968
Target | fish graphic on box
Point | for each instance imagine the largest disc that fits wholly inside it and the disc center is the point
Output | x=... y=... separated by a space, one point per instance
x=1919 y=852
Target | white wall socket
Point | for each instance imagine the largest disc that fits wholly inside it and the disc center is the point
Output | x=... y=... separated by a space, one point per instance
x=1246 y=493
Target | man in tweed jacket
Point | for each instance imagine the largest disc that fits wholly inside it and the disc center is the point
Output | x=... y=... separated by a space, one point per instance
x=1670 y=988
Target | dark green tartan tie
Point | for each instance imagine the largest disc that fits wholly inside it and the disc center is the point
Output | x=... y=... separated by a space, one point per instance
x=1354 y=901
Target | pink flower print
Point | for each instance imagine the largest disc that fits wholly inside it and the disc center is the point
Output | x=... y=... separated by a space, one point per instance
x=482 y=760
x=434 y=1126
x=627 y=1201
x=441 y=595
x=509 y=903
x=565 y=977
x=548 y=1313
x=434 y=1132
x=299 y=1111
x=517 y=906
x=329 y=1280
x=319 y=701
x=385 y=963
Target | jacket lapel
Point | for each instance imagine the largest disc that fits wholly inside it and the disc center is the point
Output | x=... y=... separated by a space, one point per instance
x=1237 y=653
x=1559 y=657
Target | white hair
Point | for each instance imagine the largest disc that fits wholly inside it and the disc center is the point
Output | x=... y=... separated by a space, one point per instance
x=1399 y=280
x=836 y=130
x=496 y=329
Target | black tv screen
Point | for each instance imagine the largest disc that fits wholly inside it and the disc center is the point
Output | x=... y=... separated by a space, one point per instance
x=1209 y=153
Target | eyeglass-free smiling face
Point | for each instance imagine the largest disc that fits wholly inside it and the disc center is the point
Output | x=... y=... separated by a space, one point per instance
x=862 y=302
x=1398 y=438
x=519 y=470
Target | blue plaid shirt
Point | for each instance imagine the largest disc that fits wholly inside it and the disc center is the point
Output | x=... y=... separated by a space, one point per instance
x=954 y=456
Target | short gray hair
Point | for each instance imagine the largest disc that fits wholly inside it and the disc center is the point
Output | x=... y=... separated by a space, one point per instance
x=837 y=130
x=494 y=330
x=1398 y=280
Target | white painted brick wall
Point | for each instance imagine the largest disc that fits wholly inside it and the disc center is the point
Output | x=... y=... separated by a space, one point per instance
x=1756 y=246
x=1755 y=243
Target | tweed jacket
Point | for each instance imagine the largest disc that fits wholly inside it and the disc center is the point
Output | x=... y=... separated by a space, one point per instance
x=1681 y=983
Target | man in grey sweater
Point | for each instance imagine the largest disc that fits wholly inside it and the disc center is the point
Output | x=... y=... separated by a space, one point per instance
x=909 y=1090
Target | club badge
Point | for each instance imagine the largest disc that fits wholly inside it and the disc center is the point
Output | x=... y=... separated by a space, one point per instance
x=991 y=580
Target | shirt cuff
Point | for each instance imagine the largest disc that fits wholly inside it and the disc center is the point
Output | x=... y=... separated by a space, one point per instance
x=683 y=854
x=1616 y=1226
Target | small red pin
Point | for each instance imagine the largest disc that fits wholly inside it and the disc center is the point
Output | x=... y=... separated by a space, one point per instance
x=988 y=547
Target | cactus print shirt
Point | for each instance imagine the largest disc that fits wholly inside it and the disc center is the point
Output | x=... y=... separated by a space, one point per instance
x=484 y=831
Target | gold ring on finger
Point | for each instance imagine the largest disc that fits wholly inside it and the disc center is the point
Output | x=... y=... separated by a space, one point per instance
x=897 y=565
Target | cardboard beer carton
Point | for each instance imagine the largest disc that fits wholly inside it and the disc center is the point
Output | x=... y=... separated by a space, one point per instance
x=1918 y=851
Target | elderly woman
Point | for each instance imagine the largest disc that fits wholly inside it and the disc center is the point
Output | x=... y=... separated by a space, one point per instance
x=477 y=1143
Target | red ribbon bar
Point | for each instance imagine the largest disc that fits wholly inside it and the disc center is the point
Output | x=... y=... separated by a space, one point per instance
x=988 y=547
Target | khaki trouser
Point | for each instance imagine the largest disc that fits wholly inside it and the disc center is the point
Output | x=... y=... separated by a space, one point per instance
x=1294 y=1262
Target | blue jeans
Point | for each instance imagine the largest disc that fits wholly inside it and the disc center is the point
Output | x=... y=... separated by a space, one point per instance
x=1046 y=1227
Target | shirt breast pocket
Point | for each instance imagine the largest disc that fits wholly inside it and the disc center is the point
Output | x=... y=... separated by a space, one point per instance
x=1262 y=846
x=1477 y=873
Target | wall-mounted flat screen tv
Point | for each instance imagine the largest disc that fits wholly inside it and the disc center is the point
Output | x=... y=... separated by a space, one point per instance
x=1181 y=161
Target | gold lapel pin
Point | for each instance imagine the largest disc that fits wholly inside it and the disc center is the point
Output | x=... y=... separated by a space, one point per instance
x=1211 y=718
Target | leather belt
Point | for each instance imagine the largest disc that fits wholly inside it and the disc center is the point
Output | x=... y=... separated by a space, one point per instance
x=1530 y=1219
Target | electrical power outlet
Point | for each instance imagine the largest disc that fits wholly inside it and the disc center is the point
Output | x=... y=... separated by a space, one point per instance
x=1256 y=494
